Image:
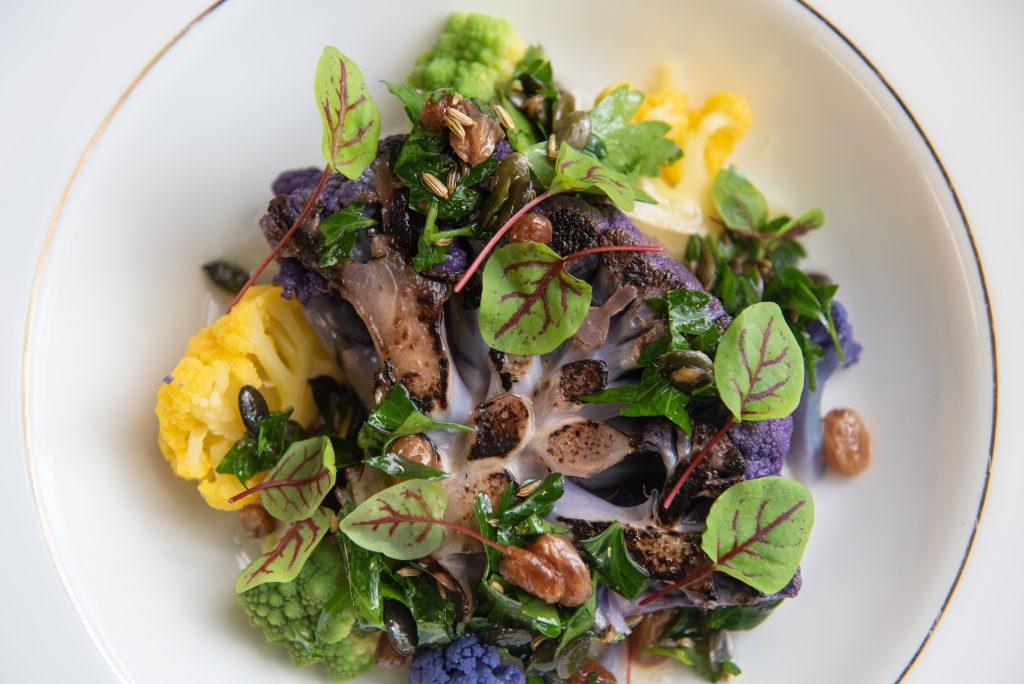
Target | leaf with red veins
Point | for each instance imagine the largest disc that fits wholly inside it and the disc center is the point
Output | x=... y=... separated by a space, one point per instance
x=350 y=116
x=294 y=488
x=284 y=562
x=759 y=370
x=529 y=304
x=402 y=522
x=580 y=172
x=757 y=531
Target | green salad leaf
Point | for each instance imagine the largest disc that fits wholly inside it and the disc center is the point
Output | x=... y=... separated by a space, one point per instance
x=616 y=568
x=294 y=488
x=284 y=561
x=757 y=530
x=759 y=370
x=401 y=522
x=350 y=116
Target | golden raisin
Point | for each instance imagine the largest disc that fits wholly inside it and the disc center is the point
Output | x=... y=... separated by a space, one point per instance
x=256 y=522
x=387 y=656
x=563 y=557
x=415 y=448
x=846 y=443
x=648 y=633
x=532 y=227
x=531 y=572
x=592 y=667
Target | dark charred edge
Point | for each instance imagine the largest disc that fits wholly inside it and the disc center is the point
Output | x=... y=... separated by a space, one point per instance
x=722 y=467
x=988 y=315
x=500 y=425
x=582 y=377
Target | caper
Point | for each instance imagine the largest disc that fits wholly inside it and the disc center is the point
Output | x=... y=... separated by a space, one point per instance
x=574 y=130
x=512 y=168
x=564 y=106
x=253 y=408
x=687 y=369
x=400 y=628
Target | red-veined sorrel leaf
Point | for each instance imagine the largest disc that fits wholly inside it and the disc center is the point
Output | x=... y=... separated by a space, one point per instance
x=284 y=562
x=759 y=370
x=294 y=488
x=757 y=531
x=529 y=304
x=402 y=522
x=579 y=172
x=351 y=118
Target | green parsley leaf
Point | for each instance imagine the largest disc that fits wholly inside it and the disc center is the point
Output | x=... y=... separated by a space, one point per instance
x=412 y=100
x=395 y=417
x=249 y=455
x=632 y=148
x=616 y=568
x=395 y=465
x=740 y=204
x=654 y=395
x=338 y=233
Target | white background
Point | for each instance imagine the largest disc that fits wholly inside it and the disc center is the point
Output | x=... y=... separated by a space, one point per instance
x=958 y=64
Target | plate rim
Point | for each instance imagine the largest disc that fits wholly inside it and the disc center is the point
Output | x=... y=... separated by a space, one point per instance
x=203 y=14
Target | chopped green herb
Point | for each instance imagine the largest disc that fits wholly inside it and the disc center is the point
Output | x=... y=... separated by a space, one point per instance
x=338 y=233
x=616 y=568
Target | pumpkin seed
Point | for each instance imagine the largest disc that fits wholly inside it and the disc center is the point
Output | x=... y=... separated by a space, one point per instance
x=529 y=488
x=574 y=130
x=253 y=408
x=564 y=106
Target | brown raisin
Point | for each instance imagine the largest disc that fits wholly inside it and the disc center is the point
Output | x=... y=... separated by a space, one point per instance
x=846 y=443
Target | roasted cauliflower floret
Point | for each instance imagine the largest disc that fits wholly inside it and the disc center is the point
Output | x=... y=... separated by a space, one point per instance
x=265 y=342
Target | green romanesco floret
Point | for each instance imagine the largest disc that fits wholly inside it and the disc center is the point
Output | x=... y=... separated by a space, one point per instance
x=289 y=613
x=473 y=54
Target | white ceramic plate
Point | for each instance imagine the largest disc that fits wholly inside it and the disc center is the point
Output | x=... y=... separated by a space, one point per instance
x=181 y=175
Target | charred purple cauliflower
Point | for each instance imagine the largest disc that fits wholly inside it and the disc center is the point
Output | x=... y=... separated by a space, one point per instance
x=464 y=661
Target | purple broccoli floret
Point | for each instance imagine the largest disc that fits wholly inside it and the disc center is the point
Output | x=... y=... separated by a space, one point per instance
x=298 y=281
x=464 y=661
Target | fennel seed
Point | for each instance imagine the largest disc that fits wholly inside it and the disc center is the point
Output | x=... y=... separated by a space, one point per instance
x=455 y=115
x=434 y=185
x=503 y=116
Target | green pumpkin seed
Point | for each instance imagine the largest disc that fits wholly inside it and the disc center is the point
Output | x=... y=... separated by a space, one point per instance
x=574 y=130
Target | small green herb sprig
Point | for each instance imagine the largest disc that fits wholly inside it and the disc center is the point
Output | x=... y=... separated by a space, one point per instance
x=755 y=259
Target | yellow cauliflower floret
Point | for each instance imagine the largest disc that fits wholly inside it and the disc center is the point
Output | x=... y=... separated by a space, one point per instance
x=708 y=135
x=265 y=342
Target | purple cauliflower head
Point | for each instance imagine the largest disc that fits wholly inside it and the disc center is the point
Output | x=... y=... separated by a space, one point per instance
x=298 y=281
x=464 y=661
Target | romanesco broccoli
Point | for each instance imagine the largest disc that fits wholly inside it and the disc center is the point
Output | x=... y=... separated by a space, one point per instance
x=265 y=342
x=288 y=613
x=473 y=54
